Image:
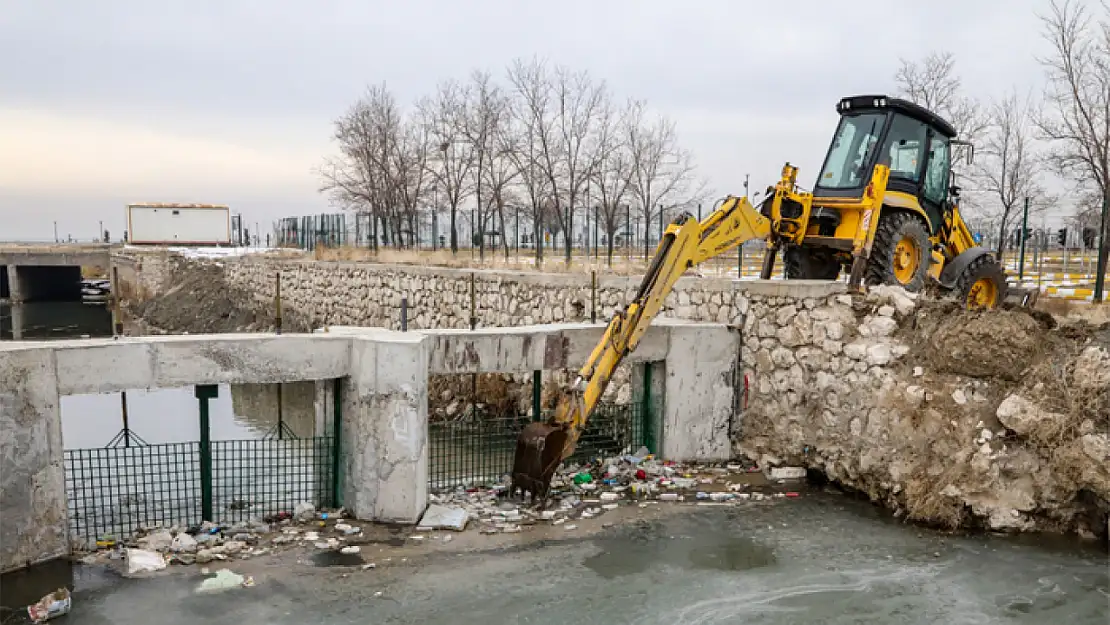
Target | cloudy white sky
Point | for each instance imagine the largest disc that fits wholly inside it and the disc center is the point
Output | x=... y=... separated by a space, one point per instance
x=108 y=102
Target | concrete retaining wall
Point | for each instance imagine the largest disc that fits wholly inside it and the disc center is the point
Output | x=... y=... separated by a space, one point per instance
x=385 y=401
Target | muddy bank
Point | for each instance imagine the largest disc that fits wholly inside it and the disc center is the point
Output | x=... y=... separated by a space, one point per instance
x=199 y=299
x=996 y=420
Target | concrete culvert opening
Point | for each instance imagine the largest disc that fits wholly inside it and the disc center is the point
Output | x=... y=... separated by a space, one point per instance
x=474 y=421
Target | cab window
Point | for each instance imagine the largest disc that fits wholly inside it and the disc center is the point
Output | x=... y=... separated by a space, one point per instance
x=936 y=176
x=904 y=147
x=847 y=162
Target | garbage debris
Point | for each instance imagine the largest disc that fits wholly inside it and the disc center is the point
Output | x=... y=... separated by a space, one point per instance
x=788 y=473
x=224 y=580
x=143 y=561
x=304 y=511
x=56 y=603
x=443 y=517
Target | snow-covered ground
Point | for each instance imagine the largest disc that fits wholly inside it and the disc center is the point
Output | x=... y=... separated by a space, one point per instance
x=205 y=252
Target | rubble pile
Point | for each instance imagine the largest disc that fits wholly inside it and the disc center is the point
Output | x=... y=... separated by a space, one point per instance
x=588 y=490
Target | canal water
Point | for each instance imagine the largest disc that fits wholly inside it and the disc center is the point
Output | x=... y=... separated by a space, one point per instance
x=818 y=559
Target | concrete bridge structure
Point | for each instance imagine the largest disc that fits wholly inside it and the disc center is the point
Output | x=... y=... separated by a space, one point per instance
x=383 y=387
x=47 y=272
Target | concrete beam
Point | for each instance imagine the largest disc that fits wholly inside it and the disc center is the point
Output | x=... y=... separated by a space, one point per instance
x=175 y=361
x=791 y=288
x=528 y=348
x=56 y=255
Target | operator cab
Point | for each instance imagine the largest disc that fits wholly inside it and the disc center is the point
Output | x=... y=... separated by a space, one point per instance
x=914 y=142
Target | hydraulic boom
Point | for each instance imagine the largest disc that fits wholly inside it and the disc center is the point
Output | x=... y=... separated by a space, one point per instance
x=542 y=446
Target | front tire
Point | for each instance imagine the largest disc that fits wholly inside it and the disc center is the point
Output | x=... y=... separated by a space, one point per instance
x=982 y=284
x=900 y=252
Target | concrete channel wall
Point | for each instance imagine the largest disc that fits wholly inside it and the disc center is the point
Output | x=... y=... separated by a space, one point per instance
x=384 y=386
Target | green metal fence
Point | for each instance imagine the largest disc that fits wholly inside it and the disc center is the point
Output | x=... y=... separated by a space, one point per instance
x=480 y=449
x=115 y=490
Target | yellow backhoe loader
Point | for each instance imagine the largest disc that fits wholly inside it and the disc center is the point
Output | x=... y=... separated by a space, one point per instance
x=884 y=209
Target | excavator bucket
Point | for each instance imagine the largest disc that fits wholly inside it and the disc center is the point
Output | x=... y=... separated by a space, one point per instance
x=539 y=450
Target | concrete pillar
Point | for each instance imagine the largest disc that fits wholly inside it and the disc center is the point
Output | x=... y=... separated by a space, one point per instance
x=384 y=435
x=700 y=392
x=33 y=496
x=15 y=288
x=17 y=321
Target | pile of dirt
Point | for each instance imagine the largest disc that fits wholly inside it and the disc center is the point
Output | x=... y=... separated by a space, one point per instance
x=997 y=344
x=203 y=302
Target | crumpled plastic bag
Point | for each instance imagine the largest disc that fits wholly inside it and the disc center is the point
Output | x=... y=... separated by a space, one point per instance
x=56 y=603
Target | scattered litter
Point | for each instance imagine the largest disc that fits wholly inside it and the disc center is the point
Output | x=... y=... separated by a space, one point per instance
x=609 y=496
x=788 y=473
x=56 y=603
x=443 y=517
x=368 y=566
x=143 y=561
x=304 y=511
x=609 y=506
x=223 y=580
x=350 y=549
x=571 y=527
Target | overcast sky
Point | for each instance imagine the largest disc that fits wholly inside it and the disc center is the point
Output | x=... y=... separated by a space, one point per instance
x=113 y=101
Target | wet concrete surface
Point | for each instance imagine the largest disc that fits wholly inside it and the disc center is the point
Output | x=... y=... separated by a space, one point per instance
x=818 y=559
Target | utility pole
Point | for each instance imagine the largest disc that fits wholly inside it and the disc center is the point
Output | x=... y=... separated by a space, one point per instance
x=1021 y=236
x=1103 y=249
x=55 y=231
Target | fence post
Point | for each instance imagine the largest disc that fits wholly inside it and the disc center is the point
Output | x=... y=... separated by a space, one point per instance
x=205 y=392
x=277 y=301
x=473 y=304
x=593 y=296
x=117 y=315
x=337 y=420
x=537 y=390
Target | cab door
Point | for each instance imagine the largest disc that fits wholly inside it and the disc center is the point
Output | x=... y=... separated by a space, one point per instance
x=934 y=190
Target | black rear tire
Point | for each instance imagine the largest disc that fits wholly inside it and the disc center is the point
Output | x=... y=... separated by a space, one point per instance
x=884 y=263
x=809 y=264
x=982 y=284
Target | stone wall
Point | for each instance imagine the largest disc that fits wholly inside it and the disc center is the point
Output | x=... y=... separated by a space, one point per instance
x=364 y=294
x=923 y=407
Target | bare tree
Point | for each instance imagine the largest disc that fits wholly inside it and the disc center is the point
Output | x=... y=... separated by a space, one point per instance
x=485 y=128
x=660 y=170
x=1009 y=167
x=933 y=83
x=361 y=177
x=559 y=111
x=612 y=176
x=532 y=135
x=452 y=159
x=1076 y=119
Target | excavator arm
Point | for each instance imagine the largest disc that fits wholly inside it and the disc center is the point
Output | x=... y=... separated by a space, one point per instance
x=542 y=446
